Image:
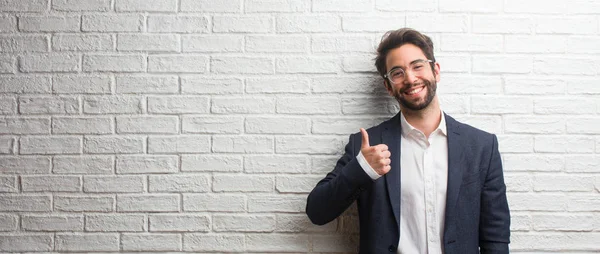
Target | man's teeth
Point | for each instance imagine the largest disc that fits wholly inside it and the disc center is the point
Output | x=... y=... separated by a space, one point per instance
x=414 y=91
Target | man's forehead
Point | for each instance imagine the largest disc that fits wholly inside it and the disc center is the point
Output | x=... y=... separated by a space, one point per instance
x=404 y=55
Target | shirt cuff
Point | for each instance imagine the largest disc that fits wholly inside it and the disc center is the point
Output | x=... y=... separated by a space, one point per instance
x=366 y=167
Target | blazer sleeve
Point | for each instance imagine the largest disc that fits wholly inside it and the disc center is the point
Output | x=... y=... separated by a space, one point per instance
x=494 y=229
x=339 y=189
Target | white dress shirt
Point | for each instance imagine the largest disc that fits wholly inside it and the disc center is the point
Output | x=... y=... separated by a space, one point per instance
x=424 y=178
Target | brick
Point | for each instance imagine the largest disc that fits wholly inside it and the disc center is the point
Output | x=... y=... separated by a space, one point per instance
x=332 y=44
x=8 y=105
x=494 y=24
x=179 y=183
x=177 y=63
x=343 y=6
x=80 y=203
x=372 y=24
x=210 y=242
x=515 y=144
x=421 y=5
x=87 y=242
x=583 y=203
x=300 y=223
x=114 y=63
x=243 y=105
x=455 y=63
x=115 y=223
x=472 y=6
x=212 y=43
x=214 y=203
x=8 y=64
x=584 y=125
x=82 y=125
x=513 y=6
x=49 y=23
x=178 y=105
x=533 y=163
x=520 y=222
x=440 y=23
x=322 y=164
x=563 y=183
x=148 y=42
x=565 y=25
x=7 y=145
x=244 y=223
x=368 y=105
x=564 y=106
x=25 y=84
x=113 y=184
x=81 y=5
x=89 y=165
x=566 y=66
x=113 y=144
x=336 y=243
x=151 y=242
x=537 y=201
x=48 y=105
x=25 y=165
x=518 y=182
x=343 y=126
x=582 y=86
x=25 y=203
x=527 y=85
x=179 y=223
x=8 y=184
x=8 y=222
x=582 y=163
x=242 y=183
x=178 y=24
x=26 y=242
x=497 y=64
x=308 y=24
x=277 y=43
x=85 y=42
x=211 y=6
x=50 y=183
x=142 y=164
x=23 y=43
x=346 y=85
x=277 y=6
x=270 y=85
x=147 y=84
x=534 y=125
x=112 y=104
x=49 y=63
x=309 y=145
x=358 y=64
x=472 y=43
x=308 y=105
x=146 y=5
x=583 y=7
x=544 y=43
x=564 y=144
x=272 y=164
x=8 y=24
x=178 y=144
x=471 y=84
x=582 y=44
x=242 y=24
x=67 y=84
x=296 y=184
x=459 y=104
x=148 y=203
x=242 y=144
x=112 y=23
x=147 y=124
x=277 y=125
x=203 y=85
x=501 y=105
x=211 y=163
x=492 y=124
x=29 y=6
x=277 y=243
x=563 y=222
x=50 y=145
x=279 y=203
x=241 y=65
x=52 y=223
x=212 y=124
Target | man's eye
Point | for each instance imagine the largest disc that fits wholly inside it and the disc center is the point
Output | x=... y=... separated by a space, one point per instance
x=418 y=66
x=397 y=74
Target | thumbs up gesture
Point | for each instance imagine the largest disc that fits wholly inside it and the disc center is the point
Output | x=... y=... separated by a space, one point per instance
x=377 y=156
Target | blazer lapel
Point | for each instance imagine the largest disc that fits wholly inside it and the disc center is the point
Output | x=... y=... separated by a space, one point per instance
x=455 y=165
x=391 y=137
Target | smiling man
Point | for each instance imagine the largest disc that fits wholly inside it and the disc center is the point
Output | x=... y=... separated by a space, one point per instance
x=423 y=182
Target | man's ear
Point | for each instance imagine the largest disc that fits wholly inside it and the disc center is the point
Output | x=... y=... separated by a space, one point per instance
x=388 y=87
x=436 y=71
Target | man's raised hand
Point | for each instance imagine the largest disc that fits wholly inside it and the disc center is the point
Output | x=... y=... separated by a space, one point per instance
x=377 y=156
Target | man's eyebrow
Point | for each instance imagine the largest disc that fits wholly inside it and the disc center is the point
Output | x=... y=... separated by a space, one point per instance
x=411 y=63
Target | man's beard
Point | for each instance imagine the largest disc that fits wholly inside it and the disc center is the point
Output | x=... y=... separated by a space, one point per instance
x=430 y=86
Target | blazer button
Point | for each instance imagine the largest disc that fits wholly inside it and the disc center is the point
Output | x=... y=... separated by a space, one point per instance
x=392 y=248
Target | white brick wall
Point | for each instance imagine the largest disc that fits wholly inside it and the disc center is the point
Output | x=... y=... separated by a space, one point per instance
x=201 y=125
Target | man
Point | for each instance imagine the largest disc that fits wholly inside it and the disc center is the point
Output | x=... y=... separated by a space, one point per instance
x=423 y=182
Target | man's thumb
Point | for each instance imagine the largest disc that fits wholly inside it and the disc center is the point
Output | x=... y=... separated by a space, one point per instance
x=365 y=138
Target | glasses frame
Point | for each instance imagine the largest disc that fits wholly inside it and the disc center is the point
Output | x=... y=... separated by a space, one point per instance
x=387 y=75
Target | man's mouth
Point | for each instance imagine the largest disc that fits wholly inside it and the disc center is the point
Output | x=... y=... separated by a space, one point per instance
x=414 y=90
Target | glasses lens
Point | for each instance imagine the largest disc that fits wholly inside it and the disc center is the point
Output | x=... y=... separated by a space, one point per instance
x=397 y=75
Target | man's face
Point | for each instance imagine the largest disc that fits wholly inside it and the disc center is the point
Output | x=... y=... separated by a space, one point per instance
x=417 y=89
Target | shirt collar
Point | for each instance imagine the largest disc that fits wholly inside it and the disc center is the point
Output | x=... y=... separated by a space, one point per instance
x=407 y=128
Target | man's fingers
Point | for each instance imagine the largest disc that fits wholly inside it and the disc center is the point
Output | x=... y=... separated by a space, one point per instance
x=365 y=138
x=386 y=154
x=381 y=147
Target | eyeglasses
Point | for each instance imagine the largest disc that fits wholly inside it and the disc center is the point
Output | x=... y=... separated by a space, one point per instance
x=397 y=75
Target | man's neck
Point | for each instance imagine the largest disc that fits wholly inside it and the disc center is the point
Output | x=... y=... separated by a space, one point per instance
x=426 y=120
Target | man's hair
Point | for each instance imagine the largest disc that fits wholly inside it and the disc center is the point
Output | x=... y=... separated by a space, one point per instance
x=396 y=38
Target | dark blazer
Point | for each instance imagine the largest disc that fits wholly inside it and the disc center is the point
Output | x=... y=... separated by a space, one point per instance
x=477 y=216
